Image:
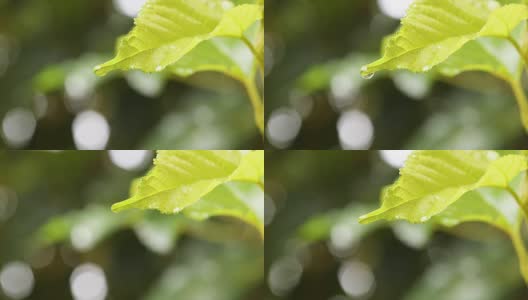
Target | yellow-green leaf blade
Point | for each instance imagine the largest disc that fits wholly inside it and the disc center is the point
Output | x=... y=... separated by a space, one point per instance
x=431 y=181
x=488 y=205
x=473 y=56
x=168 y=30
x=239 y=200
x=202 y=184
x=433 y=30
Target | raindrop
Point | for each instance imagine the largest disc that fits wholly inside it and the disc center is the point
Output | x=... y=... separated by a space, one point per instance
x=365 y=74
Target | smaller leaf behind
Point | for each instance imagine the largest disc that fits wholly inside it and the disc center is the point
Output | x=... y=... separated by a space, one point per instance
x=493 y=206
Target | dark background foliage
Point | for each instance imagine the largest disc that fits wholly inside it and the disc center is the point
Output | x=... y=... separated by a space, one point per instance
x=315 y=248
x=55 y=220
x=47 y=52
x=315 y=49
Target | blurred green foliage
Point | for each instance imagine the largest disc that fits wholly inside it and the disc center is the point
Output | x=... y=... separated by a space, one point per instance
x=315 y=248
x=55 y=216
x=315 y=52
x=48 y=50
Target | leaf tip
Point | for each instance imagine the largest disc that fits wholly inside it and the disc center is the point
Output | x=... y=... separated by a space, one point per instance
x=366 y=72
x=117 y=207
x=364 y=219
x=99 y=70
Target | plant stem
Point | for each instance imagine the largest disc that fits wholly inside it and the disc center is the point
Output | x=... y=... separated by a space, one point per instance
x=256 y=101
x=520 y=247
x=522 y=54
x=522 y=101
x=258 y=56
x=519 y=201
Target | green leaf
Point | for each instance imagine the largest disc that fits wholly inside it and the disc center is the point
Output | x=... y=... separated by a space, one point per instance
x=202 y=184
x=84 y=228
x=431 y=181
x=214 y=55
x=452 y=187
x=54 y=77
x=168 y=31
x=473 y=56
x=433 y=30
x=321 y=226
x=323 y=76
x=493 y=206
x=234 y=199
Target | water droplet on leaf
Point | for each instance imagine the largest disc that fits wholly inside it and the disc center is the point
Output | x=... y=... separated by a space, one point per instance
x=365 y=74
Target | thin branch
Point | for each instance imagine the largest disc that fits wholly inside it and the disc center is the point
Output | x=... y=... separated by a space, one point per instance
x=520 y=247
x=522 y=101
x=519 y=201
x=519 y=50
x=256 y=101
x=258 y=56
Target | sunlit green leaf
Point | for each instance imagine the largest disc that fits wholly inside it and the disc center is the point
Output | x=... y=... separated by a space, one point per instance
x=433 y=180
x=240 y=200
x=473 y=57
x=202 y=184
x=492 y=206
x=167 y=31
x=433 y=30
